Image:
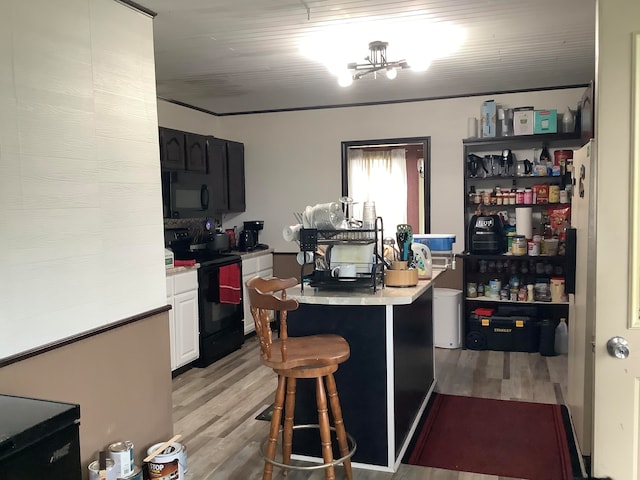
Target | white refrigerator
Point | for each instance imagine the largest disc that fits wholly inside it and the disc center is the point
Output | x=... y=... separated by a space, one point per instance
x=581 y=301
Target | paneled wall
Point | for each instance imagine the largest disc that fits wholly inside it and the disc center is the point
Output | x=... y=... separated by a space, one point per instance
x=81 y=227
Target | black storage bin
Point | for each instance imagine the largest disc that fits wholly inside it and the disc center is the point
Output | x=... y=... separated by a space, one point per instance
x=39 y=439
x=507 y=334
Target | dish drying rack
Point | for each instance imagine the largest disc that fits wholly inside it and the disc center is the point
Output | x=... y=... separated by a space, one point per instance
x=311 y=238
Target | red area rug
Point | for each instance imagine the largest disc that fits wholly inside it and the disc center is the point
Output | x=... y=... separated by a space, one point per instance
x=494 y=437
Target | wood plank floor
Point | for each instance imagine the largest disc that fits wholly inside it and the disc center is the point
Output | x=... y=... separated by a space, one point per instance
x=215 y=408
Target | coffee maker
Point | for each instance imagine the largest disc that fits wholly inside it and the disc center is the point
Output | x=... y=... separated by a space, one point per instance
x=249 y=236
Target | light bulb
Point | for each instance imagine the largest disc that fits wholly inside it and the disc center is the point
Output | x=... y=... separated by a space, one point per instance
x=391 y=73
x=419 y=65
x=345 y=79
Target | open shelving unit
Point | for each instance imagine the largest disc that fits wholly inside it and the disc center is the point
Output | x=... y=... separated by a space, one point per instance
x=528 y=269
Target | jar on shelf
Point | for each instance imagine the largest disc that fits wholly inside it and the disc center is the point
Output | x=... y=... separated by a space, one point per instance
x=519 y=196
x=528 y=196
x=519 y=245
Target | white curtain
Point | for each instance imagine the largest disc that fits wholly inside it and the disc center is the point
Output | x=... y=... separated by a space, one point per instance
x=380 y=176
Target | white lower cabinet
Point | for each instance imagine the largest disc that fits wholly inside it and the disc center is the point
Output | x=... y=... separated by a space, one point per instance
x=182 y=295
x=261 y=266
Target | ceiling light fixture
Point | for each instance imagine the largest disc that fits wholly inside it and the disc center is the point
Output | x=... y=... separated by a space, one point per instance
x=376 y=61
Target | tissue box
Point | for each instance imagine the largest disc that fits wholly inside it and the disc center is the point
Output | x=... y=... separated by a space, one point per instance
x=523 y=121
x=545 y=121
x=488 y=118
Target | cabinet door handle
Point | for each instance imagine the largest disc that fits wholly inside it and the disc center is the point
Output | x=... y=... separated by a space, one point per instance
x=204 y=197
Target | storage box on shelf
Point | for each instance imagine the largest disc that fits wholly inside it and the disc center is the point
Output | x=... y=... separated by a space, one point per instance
x=358 y=247
x=513 y=285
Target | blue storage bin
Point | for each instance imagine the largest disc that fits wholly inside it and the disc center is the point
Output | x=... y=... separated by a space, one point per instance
x=437 y=242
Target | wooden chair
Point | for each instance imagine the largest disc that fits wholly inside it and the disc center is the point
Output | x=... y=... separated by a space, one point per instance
x=313 y=356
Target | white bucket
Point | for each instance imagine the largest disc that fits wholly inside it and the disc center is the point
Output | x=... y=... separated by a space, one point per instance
x=171 y=460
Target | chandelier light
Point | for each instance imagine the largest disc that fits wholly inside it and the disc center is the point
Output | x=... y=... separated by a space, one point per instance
x=376 y=62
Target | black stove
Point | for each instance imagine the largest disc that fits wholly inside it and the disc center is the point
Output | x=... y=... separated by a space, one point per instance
x=207 y=258
x=182 y=244
x=221 y=324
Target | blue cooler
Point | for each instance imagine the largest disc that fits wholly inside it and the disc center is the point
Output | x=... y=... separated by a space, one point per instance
x=437 y=242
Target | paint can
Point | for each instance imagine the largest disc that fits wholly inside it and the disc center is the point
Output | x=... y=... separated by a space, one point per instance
x=94 y=470
x=167 y=464
x=122 y=455
x=136 y=474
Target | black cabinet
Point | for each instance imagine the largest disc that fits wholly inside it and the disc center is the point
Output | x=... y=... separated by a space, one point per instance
x=496 y=175
x=183 y=151
x=222 y=161
x=235 y=166
x=196 y=153
x=226 y=170
x=217 y=157
x=172 y=149
x=39 y=439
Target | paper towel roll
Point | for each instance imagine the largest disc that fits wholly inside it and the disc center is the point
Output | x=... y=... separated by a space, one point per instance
x=291 y=233
x=523 y=222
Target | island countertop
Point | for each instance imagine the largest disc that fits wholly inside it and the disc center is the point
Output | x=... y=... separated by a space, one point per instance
x=383 y=296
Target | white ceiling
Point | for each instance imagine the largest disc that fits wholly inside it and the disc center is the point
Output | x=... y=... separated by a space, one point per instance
x=234 y=56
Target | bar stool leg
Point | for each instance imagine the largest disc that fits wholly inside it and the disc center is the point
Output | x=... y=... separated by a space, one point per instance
x=287 y=433
x=275 y=428
x=325 y=431
x=341 y=433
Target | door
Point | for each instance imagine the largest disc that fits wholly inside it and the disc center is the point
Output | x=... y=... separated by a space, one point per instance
x=172 y=149
x=235 y=165
x=217 y=156
x=196 y=153
x=616 y=381
x=186 y=327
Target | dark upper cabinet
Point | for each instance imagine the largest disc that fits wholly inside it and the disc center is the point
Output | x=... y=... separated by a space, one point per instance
x=221 y=161
x=196 y=153
x=172 y=151
x=226 y=173
x=217 y=158
x=235 y=166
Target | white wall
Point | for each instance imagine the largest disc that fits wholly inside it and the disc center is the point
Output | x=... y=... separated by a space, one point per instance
x=292 y=159
x=175 y=116
x=81 y=227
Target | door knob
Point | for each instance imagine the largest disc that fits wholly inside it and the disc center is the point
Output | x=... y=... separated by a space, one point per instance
x=618 y=347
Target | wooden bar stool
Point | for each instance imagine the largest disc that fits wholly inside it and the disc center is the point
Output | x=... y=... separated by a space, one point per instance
x=313 y=356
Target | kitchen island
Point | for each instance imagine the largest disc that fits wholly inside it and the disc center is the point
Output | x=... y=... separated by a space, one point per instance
x=385 y=384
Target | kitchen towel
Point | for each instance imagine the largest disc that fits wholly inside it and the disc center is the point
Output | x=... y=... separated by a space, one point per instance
x=291 y=233
x=229 y=283
x=523 y=222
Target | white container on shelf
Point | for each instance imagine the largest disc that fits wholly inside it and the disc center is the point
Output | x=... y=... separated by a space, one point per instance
x=447 y=318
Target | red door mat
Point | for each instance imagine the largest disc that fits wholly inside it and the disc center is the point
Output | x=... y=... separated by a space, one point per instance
x=494 y=437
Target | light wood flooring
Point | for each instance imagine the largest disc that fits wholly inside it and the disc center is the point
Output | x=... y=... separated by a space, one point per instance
x=215 y=408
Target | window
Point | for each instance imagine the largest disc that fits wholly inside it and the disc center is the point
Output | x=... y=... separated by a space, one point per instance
x=392 y=173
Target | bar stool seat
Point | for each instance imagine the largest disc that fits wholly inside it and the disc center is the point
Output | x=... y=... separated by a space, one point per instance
x=312 y=356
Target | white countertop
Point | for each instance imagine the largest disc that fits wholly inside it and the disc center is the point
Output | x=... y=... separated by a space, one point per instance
x=172 y=270
x=383 y=296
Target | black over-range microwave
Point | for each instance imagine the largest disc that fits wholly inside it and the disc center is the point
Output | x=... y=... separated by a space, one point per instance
x=186 y=194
